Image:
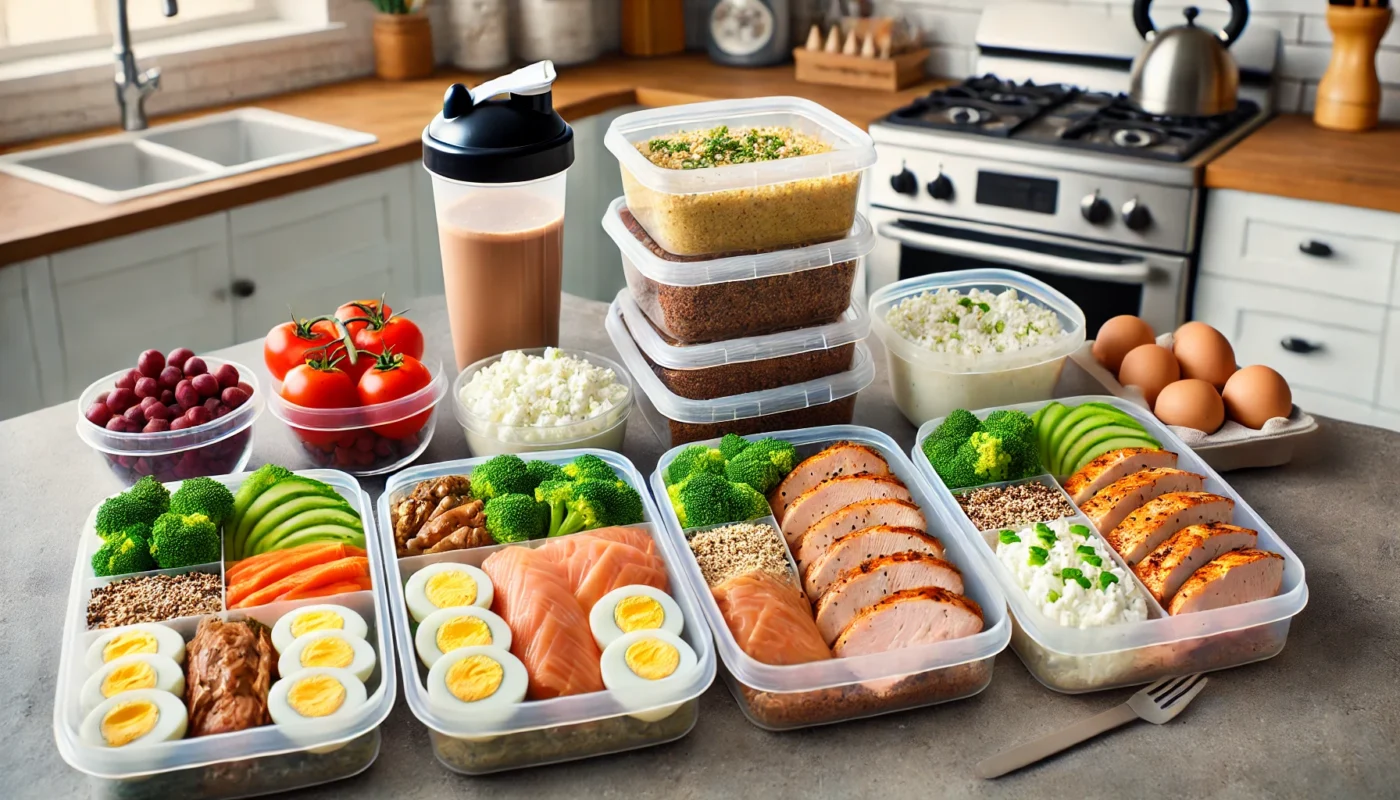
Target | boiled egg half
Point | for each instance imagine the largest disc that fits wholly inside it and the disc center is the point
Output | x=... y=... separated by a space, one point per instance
x=328 y=648
x=446 y=584
x=130 y=673
x=137 y=717
x=310 y=619
x=645 y=666
x=449 y=629
x=477 y=684
x=315 y=699
x=633 y=608
x=145 y=637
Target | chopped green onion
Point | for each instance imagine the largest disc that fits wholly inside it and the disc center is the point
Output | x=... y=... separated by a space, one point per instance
x=1072 y=574
x=1094 y=560
x=1044 y=534
x=1008 y=536
x=1001 y=326
x=984 y=307
x=1052 y=597
x=1107 y=579
x=1079 y=530
x=965 y=302
x=1038 y=556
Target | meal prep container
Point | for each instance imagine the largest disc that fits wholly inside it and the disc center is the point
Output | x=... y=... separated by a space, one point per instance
x=1072 y=660
x=215 y=448
x=562 y=728
x=678 y=420
x=842 y=689
x=486 y=438
x=751 y=364
x=739 y=207
x=366 y=440
x=705 y=300
x=928 y=384
x=245 y=763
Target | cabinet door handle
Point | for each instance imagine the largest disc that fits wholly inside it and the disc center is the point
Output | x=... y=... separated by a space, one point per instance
x=1315 y=248
x=1301 y=346
x=243 y=288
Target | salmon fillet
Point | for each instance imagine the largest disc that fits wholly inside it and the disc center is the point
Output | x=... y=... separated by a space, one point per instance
x=639 y=539
x=595 y=566
x=770 y=619
x=549 y=628
x=868 y=513
x=842 y=458
x=1113 y=465
x=1113 y=503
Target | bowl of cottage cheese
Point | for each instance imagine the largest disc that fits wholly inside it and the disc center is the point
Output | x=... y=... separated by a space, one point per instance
x=973 y=339
x=525 y=401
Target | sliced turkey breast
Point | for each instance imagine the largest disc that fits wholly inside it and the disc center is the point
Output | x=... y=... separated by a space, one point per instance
x=1147 y=527
x=1111 y=504
x=1242 y=576
x=1187 y=550
x=836 y=493
x=1112 y=466
x=842 y=458
x=876 y=579
x=908 y=619
x=853 y=549
x=811 y=543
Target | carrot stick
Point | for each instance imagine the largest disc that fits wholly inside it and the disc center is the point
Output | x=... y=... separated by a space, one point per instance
x=346 y=569
x=290 y=562
x=343 y=587
x=241 y=570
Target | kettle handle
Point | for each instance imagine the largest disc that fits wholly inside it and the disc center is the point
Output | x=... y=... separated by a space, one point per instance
x=1239 y=18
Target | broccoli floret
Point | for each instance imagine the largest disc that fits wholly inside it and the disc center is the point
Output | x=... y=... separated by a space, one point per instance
x=504 y=474
x=179 y=540
x=126 y=551
x=516 y=518
x=749 y=503
x=589 y=466
x=146 y=500
x=762 y=465
x=704 y=499
x=1018 y=438
x=259 y=481
x=732 y=445
x=543 y=471
x=957 y=426
x=984 y=455
x=203 y=496
x=695 y=458
x=585 y=505
x=627 y=505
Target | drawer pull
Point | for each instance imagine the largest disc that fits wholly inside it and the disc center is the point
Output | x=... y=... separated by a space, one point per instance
x=1315 y=248
x=1302 y=346
x=243 y=288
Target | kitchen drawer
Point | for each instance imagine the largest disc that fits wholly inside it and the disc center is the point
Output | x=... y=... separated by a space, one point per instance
x=1389 y=395
x=1338 y=348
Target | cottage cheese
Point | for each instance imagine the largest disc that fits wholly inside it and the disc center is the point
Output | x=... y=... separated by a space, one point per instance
x=947 y=321
x=1038 y=558
x=554 y=391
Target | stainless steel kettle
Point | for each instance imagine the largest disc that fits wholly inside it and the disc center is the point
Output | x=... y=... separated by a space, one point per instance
x=1186 y=71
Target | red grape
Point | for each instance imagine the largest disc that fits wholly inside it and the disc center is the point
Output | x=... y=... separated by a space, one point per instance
x=127 y=380
x=234 y=397
x=147 y=387
x=158 y=411
x=116 y=425
x=186 y=395
x=221 y=411
x=167 y=396
x=198 y=415
x=119 y=400
x=212 y=404
x=156 y=426
x=176 y=410
x=135 y=415
x=150 y=363
x=178 y=357
x=179 y=423
x=195 y=366
x=207 y=385
x=227 y=375
x=170 y=377
x=101 y=398
x=98 y=413
x=147 y=402
x=246 y=387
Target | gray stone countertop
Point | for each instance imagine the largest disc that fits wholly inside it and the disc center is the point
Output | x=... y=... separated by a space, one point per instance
x=1322 y=719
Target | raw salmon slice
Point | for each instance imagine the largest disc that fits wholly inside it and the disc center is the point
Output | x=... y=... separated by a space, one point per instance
x=596 y=566
x=770 y=619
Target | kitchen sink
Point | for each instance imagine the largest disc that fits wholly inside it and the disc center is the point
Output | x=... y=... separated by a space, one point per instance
x=111 y=169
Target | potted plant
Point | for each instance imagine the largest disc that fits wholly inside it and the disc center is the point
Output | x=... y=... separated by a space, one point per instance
x=403 y=40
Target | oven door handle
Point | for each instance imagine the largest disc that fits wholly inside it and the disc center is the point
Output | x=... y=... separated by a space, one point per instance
x=1136 y=272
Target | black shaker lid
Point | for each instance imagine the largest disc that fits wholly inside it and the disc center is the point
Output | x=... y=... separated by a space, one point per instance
x=517 y=138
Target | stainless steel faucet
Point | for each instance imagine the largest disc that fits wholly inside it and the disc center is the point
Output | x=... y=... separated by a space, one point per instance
x=133 y=87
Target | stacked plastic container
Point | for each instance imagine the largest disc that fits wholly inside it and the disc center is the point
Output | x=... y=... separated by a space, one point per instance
x=738 y=312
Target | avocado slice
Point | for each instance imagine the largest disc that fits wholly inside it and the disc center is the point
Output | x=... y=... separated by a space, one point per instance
x=291 y=508
x=1109 y=445
x=271 y=538
x=1050 y=417
x=1074 y=459
x=277 y=494
x=316 y=533
x=1080 y=420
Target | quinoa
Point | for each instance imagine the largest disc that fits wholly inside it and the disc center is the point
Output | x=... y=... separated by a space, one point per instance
x=732 y=550
x=1004 y=506
x=718 y=147
x=154 y=598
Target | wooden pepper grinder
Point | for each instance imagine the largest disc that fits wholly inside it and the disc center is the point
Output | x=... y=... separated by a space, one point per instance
x=653 y=27
x=1349 y=96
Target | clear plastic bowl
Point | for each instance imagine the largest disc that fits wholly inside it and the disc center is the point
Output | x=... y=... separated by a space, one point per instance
x=217 y=447
x=366 y=440
x=486 y=438
x=563 y=728
x=1072 y=660
x=928 y=384
x=251 y=762
x=743 y=207
x=745 y=295
x=843 y=689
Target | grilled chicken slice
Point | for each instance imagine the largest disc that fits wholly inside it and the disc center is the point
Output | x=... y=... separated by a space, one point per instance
x=908 y=619
x=1112 y=466
x=854 y=549
x=1187 y=550
x=836 y=493
x=1242 y=576
x=1111 y=504
x=810 y=545
x=876 y=579
x=1147 y=527
x=842 y=458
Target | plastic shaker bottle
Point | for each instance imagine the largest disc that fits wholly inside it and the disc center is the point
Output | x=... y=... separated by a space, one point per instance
x=498 y=168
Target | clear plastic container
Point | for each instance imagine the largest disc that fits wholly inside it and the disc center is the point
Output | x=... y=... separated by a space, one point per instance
x=928 y=384
x=706 y=300
x=563 y=728
x=486 y=438
x=743 y=207
x=217 y=447
x=843 y=689
x=250 y=762
x=751 y=364
x=366 y=440
x=1072 y=660
x=678 y=420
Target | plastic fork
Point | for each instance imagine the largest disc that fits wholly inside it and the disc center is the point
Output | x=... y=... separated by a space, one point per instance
x=1158 y=704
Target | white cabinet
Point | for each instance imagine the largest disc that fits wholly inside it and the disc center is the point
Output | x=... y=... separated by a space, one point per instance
x=1388 y=397
x=427 y=254
x=31 y=364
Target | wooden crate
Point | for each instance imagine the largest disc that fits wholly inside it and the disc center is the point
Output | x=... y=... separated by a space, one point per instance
x=883 y=74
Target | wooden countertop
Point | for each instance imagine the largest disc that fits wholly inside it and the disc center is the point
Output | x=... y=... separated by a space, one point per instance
x=36 y=220
x=1289 y=156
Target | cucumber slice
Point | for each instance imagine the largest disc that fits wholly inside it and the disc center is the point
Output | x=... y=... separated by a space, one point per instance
x=271 y=539
x=1109 y=445
x=290 y=509
x=1074 y=458
x=318 y=533
x=1078 y=422
x=1050 y=417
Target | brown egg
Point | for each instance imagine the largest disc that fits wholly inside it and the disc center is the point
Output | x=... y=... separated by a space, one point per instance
x=1149 y=367
x=1191 y=403
x=1118 y=336
x=1204 y=353
x=1255 y=395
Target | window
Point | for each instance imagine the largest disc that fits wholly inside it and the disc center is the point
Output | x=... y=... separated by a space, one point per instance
x=31 y=28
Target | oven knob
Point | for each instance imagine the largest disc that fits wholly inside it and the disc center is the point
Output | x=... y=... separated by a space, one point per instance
x=905 y=183
x=1136 y=216
x=1095 y=209
x=940 y=188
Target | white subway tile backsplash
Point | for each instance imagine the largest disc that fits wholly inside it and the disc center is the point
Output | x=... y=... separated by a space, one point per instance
x=946 y=25
x=1315 y=31
x=946 y=61
x=1288 y=96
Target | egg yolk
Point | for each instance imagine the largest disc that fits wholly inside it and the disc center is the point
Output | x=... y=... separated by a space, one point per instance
x=331 y=651
x=129 y=721
x=463 y=632
x=126 y=678
x=316 y=696
x=316 y=621
x=449 y=589
x=638 y=613
x=129 y=643
x=474 y=678
x=652 y=659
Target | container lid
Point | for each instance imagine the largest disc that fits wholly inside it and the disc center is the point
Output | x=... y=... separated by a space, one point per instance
x=735 y=268
x=515 y=139
x=853 y=326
